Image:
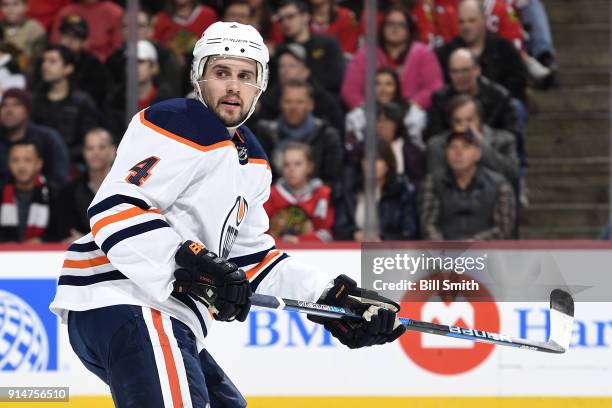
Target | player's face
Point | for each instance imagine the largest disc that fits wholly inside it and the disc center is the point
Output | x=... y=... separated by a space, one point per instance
x=462 y=155
x=12 y=113
x=465 y=117
x=98 y=151
x=229 y=86
x=385 y=88
x=24 y=164
x=296 y=167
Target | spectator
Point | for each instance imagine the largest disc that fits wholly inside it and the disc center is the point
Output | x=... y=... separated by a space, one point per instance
x=436 y=21
x=298 y=124
x=15 y=112
x=398 y=48
x=10 y=73
x=263 y=20
x=498 y=59
x=45 y=11
x=60 y=105
x=395 y=203
x=388 y=89
x=169 y=70
x=465 y=77
x=73 y=200
x=291 y=65
x=325 y=58
x=89 y=75
x=498 y=147
x=26 y=200
x=239 y=11
x=104 y=20
x=149 y=92
x=181 y=25
x=340 y=22
x=299 y=206
x=466 y=201
x=27 y=35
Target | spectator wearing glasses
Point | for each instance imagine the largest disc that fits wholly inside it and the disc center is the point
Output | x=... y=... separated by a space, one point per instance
x=416 y=63
x=324 y=55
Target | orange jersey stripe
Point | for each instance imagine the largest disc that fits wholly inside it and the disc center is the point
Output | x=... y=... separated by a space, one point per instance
x=260 y=161
x=180 y=139
x=175 y=387
x=260 y=265
x=86 y=263
x=120 y=216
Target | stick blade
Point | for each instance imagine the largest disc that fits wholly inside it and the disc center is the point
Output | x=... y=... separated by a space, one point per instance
x=561 y=318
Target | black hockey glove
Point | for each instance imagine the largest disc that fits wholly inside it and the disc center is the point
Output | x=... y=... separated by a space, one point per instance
x=215 y=281
x=379 y=324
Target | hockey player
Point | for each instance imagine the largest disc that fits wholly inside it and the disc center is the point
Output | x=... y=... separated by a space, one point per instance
x=178 y=238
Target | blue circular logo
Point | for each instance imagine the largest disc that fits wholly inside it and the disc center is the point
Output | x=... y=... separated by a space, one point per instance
x=23 y=339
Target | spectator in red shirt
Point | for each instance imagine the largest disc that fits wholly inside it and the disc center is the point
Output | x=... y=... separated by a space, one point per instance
x=436 y=21
x=104 y=20
x=45 y=11
x=299 y=206
x=416 y=63
x=338 y=21
x=181 y=25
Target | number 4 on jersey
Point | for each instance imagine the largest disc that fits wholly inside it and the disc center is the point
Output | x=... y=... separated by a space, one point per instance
x=141 y=171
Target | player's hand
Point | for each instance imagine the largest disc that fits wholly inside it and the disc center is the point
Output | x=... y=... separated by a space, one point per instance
x=220 y=284
x=380 y=324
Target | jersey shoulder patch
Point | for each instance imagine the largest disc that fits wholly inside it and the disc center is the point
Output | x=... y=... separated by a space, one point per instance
x=254 y=147
x=186 y=121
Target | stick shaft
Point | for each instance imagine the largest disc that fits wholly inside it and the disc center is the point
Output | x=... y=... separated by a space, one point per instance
x=335 y=312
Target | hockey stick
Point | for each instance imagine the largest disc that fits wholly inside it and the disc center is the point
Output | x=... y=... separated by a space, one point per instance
x=561 y=322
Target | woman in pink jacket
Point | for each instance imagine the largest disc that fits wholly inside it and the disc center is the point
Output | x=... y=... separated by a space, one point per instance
x=416 y=63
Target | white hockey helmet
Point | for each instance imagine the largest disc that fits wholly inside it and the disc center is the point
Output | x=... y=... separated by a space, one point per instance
x=230 y=40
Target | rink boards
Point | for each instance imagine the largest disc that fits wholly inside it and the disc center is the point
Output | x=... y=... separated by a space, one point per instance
x=282 y=359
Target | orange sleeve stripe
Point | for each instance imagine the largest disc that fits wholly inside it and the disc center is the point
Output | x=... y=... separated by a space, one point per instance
x=259 y=266
x=86 y=263
x=171 y=371
x=260 y=161
x=180 y=139
x=120 y=216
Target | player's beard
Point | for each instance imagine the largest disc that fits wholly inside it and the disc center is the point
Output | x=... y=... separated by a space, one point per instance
x=229 y=118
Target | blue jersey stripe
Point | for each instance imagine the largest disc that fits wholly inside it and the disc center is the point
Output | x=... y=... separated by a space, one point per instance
x=113 y=201
x=255 y=282
x=245 y=260
x=189 y=302
x=86 y=247
x=132 y=231
x=73 y=280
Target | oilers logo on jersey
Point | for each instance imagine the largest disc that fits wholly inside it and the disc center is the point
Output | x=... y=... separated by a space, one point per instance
x=231 y=226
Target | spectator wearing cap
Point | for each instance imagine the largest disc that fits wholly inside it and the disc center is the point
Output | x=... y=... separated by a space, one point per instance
x=27 y=35
x=466 y=78
x=16 y=125
x=291 y=64
x=340 y=22
x=149 y=92
x=169 y=70
x=396 y=216
x=465 y=200
x=498 y=147
x=74 y=199
x=104 y=20
x=296 y=123
x=89 y=75
x=324 y=55
x=181 y=24
x=60 y=105
x=416 y=63
x=27 y=199
x=499 y=60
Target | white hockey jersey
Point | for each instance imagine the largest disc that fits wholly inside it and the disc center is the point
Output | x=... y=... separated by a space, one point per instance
x=178 y=176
